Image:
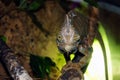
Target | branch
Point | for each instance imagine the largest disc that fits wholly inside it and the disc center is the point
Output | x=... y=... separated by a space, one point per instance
x=15 y=69
x=71 y=71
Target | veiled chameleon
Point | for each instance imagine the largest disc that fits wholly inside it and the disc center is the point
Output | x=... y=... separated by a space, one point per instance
x=76 y=36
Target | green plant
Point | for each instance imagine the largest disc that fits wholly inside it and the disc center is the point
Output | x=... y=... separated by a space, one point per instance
x=41 y=66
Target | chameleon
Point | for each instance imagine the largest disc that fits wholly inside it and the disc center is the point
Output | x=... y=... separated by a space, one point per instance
x=76 y=37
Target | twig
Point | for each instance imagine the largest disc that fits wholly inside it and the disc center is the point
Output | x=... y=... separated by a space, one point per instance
x=12 y=64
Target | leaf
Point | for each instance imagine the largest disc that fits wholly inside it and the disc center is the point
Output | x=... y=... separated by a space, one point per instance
x=49 y=61
x=34 y=6
x=92 y=2
x=30 y=6
x=23 y=4
x=41 y=66
x=3 y=38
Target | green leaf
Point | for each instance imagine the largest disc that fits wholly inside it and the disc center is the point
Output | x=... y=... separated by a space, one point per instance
x=23 y=4
x=31 y=6
x=92 y=2
x=3 y=38
x=49 y=61
x=34 y=6
x=41 y=66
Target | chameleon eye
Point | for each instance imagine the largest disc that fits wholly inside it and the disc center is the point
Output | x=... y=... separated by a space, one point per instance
x=59 y=38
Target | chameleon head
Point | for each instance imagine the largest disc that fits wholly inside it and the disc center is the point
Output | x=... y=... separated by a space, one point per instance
x=68 y=39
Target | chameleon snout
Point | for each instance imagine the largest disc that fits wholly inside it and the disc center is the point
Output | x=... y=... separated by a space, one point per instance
x=70 y=49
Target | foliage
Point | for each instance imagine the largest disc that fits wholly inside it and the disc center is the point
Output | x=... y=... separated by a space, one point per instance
x=29 y=5
x=92 y=2
x=41 y=66
x=34 y=5
x=3 y=38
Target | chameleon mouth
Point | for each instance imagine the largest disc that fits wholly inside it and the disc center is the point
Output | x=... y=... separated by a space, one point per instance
x=68 y=48
x=72 y=50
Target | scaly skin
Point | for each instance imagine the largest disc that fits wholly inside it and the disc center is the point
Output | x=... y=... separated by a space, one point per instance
x=76 y=36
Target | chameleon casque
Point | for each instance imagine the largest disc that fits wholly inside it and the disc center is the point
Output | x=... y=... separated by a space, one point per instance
x=76 y=37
